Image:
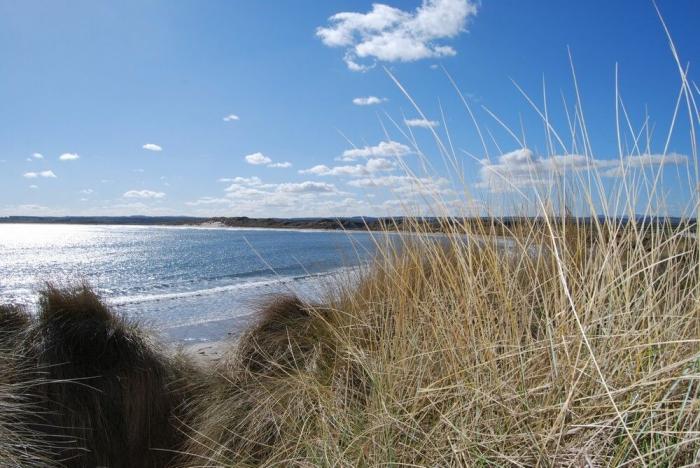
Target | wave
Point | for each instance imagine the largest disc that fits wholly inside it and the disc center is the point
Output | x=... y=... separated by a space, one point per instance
x=231 y=228
x=141 y=298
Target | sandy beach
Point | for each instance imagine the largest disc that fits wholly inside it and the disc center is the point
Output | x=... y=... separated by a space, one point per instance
x=209 y=352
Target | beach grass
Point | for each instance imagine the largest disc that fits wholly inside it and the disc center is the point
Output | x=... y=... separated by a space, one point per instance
x=554 y=351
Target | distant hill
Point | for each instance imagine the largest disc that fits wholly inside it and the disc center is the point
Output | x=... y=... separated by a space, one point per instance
x=350 y=223
x=128 y=220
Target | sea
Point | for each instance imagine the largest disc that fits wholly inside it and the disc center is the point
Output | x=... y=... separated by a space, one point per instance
x=187 y=284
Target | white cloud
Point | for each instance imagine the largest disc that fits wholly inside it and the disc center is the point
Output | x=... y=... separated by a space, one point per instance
x=354 y=66
x=393 y=35
x=37 y=156
x=257 y=159
x=358 y=170
x=368 y=101
x=143 y=194
x=69 y=157
x=407 y=185
x=231 y=118
x=243 y=180
x=87 y=191
x=152 y=147
x=306 y=187
x=33 y=187
x=382 y=150
x=252 y=196
x=45 y=174
x=523 y=169
x=423 y=123
x=321 y=169
x=644 y=160
x=238 y=191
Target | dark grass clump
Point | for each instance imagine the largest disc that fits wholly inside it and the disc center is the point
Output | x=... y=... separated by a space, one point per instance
x=13 y=320
x=242 y=415
x=19 y=444
x=281 y=339
x=107 y=396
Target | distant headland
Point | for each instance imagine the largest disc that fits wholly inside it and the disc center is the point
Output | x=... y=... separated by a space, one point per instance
x=354 y=223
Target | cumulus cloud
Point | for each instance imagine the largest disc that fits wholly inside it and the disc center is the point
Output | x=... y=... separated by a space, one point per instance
x=254 y=187
x=390 y=34
x=422 y=123
x=37 y=156
x=523 y=169
x=307 y=187
x=407 y=185
x=252 y=196
x=143 y=194
x=368 y=101
x=45 y=174
x=231 y=118
x=87 y=191
x=644 y=160
x=242 y=180
x=358 y=170
x=152 y=147
x=382 y=150
x=257 y=159
x=33 y=187
x=69 y=157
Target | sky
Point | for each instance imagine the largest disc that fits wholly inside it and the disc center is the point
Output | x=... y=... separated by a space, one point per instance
x=337 y=108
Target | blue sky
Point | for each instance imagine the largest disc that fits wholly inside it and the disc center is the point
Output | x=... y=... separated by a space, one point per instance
x=255 y=108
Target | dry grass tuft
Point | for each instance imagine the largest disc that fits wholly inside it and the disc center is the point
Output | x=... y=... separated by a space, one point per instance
x=100 y=392
x=19 y=444
x=284 y=342
x=13 y=319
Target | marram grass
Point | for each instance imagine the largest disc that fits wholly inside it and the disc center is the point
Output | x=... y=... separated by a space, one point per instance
x=555 y=351
x=81 y=386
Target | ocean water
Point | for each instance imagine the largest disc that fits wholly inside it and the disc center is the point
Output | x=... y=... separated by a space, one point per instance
x=188 y=284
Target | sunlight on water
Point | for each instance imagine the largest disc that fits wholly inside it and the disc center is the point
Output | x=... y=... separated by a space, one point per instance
x=172 y=277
